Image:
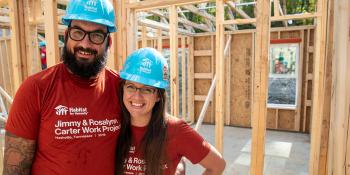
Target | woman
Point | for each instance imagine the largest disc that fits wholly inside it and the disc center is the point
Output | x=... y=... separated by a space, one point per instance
x=150 y=142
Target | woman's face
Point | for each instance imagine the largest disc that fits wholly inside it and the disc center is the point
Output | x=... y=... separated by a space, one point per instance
x=139 y=100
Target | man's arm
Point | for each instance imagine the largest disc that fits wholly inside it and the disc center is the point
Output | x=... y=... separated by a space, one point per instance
x=19 y=155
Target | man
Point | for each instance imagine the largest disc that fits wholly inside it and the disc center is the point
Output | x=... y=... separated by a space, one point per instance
x=65 y=119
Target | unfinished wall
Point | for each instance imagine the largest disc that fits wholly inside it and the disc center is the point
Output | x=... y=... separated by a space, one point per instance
x=241 y=60
x=6 y=77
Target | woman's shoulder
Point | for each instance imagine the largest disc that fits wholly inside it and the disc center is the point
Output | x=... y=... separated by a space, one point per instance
x=173 y=121
x=176 y=125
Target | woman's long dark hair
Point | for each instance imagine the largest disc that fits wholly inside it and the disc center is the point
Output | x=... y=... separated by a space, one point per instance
x=153 y=142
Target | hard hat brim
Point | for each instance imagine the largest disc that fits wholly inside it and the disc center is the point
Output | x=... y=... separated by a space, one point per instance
x=143 y=80
x=110 y=26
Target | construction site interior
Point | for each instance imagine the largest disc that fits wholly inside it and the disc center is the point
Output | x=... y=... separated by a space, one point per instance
x=265 y=81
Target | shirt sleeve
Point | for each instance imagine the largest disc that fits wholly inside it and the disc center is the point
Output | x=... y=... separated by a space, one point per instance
x=24 y=116
x=190 y=144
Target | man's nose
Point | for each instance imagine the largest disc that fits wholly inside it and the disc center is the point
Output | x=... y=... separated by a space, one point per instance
x=86 y=41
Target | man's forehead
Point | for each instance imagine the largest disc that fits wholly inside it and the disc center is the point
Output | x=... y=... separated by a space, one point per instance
x=88 y=25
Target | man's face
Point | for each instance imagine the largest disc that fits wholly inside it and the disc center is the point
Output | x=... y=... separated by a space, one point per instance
x=82 y=56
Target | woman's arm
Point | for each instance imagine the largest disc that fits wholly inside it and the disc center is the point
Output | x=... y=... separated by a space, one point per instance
x=213 y=163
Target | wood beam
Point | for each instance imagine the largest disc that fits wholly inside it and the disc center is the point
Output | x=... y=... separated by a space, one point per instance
x=339 y=143
x=158 y=25
x=112 y=56
x=239 y=11
x=204 y=14
x=279 y=18
x=119 y=40
x=4 y=3
x=32 y=47
x=16 y=41
x=156 y=4
x=318 y=86
x=51 y=32
x=174 y=64
x=220 y=73
x=190 y=74
x=183 y=21
x=183 y=77
x=260 y=85
x=131 y=30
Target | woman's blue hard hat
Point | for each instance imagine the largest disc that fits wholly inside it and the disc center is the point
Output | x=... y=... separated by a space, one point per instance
x=146 y=66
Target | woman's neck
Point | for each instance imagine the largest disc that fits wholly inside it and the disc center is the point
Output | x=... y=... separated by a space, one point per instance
x=140 y=121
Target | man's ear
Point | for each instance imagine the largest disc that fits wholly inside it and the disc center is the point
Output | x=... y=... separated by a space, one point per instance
x=109 y=41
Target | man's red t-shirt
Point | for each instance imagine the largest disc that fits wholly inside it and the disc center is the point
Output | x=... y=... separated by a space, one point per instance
x=75 y=122
x=181 y=141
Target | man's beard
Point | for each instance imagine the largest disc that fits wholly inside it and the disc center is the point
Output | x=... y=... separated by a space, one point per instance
x=82 y=69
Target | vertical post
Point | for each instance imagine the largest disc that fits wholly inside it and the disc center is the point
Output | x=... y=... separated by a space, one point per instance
x=51 y=32
x=131 y=30
x=220 y=72
x=120 y=39
x=183 y=77
x=228 y=83
x=262 y=44
x=299 y=82
x=144 y=36
x=190 y=74
x=111 y=61
x=318 y=86
x=339 y=144
x=174 y=63
x=160 y=41
x=32 y=49
x=276 y=7
x=15 y=44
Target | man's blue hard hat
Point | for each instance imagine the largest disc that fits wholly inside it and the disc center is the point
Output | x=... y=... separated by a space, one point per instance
x=42 y=44
x=146 y=66
x=97 y=11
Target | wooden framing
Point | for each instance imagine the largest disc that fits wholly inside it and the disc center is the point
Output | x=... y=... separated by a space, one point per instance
x=339 y=144
x=190 y=78
x=318 y=87
x=16 y=45
x=174 y=63
x=51 y=32
x=220 y=73
x=154 y=4
x=183 y=77
x=126 y=42
x=260 y=87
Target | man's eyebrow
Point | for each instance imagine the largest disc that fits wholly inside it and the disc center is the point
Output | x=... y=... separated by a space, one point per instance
x=98 y=30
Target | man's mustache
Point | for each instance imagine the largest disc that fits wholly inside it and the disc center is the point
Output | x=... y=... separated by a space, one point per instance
x=88 y=50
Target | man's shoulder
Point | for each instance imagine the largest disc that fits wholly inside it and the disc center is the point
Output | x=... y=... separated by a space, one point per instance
x=47 y=73
x=112 y=73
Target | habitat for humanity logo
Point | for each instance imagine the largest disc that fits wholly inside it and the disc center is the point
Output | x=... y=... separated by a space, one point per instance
x=63 y=110
x=91 y=6
x=146 y=66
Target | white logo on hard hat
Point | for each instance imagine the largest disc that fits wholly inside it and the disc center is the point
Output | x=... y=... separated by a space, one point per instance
x=91 y=2
x=146 y=66
x=91 y=6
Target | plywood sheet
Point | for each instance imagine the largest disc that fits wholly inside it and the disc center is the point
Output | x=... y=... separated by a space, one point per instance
x=286 y=119
x=202 y=43
x=271 y=118
x=241 y=77
x=202 y=64
x=201 y=86
x=208 y=115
